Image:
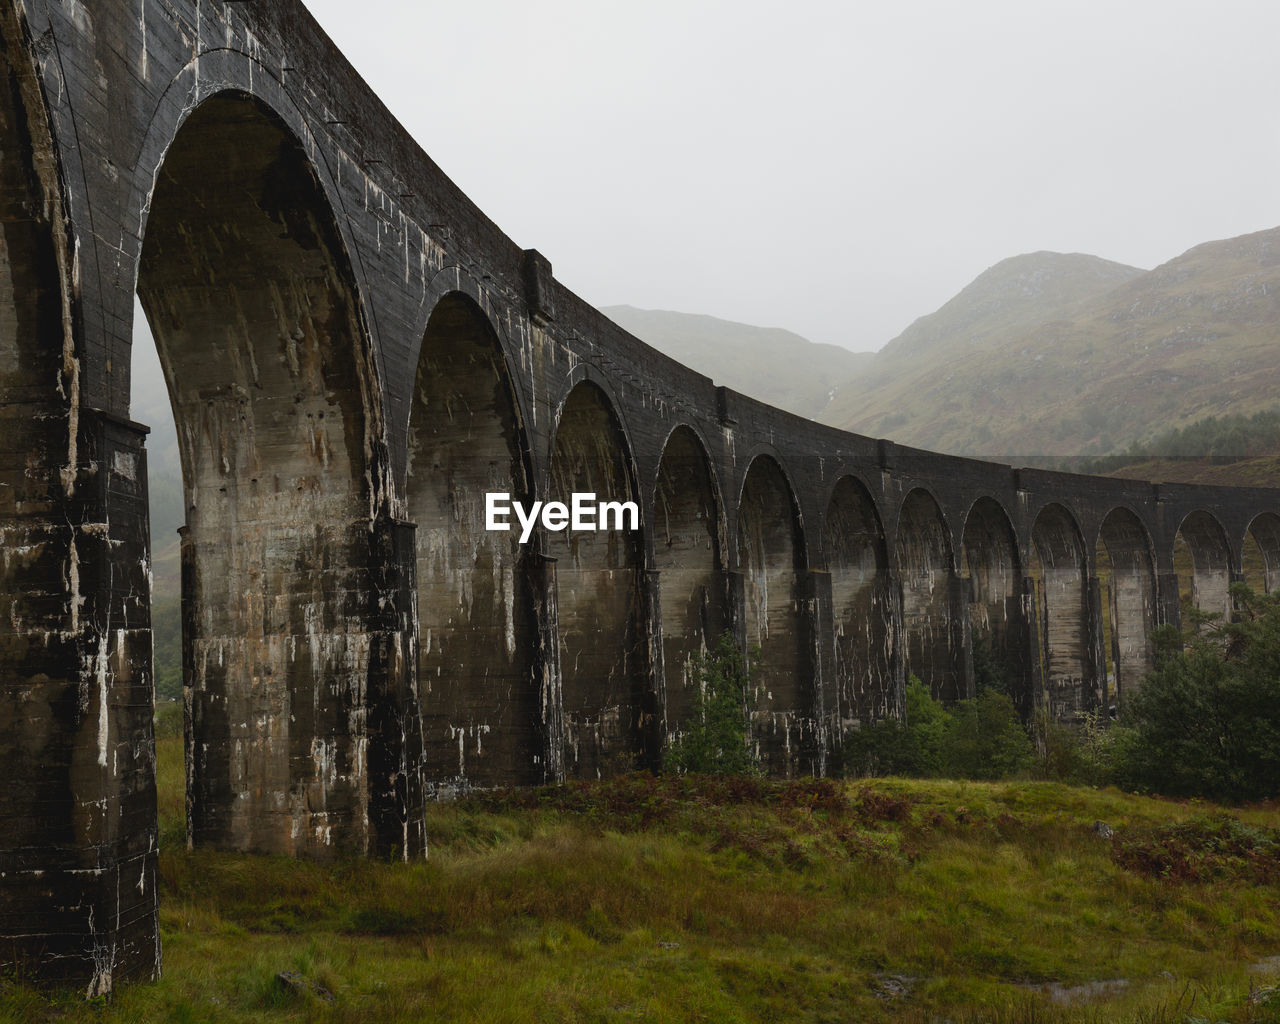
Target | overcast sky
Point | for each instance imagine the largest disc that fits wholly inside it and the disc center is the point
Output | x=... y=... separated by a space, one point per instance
x=837 y=169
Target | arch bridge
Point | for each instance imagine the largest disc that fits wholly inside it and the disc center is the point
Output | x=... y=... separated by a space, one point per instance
x=356 y=356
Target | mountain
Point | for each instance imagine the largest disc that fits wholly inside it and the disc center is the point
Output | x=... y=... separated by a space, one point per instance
x=767 y=363
x=1054 y=354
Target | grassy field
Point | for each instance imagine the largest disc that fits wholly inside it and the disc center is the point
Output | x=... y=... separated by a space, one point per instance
x=671 y=899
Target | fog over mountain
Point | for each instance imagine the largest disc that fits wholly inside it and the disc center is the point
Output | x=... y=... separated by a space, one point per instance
x=767 y=363
x=1069 y=354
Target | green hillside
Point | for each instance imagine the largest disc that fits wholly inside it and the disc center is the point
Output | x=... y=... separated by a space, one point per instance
x=1070 y=355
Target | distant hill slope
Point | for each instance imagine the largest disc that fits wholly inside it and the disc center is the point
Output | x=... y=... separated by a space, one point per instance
x=1063 y=355
x=767 y=363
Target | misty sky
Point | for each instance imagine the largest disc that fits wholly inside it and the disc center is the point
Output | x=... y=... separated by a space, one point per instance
x=834 y=168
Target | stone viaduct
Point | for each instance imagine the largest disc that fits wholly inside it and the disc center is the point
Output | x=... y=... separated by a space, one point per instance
x=356 y=355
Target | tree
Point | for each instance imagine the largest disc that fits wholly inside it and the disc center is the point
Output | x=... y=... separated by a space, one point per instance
x=717 y=737
x=972 y=739
x=1206 y=722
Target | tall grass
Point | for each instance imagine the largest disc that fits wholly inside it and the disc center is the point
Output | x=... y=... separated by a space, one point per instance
x=688 y=898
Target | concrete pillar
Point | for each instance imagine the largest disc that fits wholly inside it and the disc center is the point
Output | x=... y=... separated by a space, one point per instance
x=1111 y=693
x=542 y=582
x=78 y=857
x=1095 y=662
x=959 y=598
x=816 y=623
x=1035 y=657
x=397 y=786
x=654 y=710
x=1021 y=656
x=897 y=643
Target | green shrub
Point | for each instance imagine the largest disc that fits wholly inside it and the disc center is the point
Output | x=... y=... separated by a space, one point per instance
x=1082 y=754
x=981 y=738
x=717 y=739
x=1206 y=722
x=985 y=739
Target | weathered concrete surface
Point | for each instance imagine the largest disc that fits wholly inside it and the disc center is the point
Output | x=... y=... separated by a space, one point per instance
x=785 y=707
x=355 y=355
x=935 y=638
x=1131 y=600
x=477 y=634
x=862 y=614
x=688 y=538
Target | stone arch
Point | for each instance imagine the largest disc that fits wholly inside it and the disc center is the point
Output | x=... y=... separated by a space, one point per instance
x=1060 y=601
x=1202 y=559
x=858 y=561
x=607 y=699
x=223 y=71
x=1127 y=586
x=993 y=574
x=688 y=540
x=252 y=299
x=1264 y=531
x=771 y=556
x=933 y=646
x=476 y=628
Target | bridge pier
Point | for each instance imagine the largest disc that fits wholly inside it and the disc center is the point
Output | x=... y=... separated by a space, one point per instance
x=397 y=785
x=897 y=643
x=1096 y=664
x=816 y=628
x=961 y=638
x=544 y=588
x=653 y=709
x=78 y=862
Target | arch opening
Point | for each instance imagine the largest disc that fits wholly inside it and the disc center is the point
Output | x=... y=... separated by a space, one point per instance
x=687 y=545
x=608 y=704
x=1261 y=561
x=476 y=627
x=1060 y=601
x=858 y=560
x=1127 y=586
x=252 y=302
x=771 y=557
x=992 y=572
x=1202 y=560
x=934 y=647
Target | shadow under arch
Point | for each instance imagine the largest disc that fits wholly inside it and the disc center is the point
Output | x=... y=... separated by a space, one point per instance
x=1263 y=571
x=1202 y=560
x=477 y=634
x=609 y=705
x=993 y=574
x=771 y=557
x=858 y=561
x=252 y=300
x=1127 y=586
x=934 y=644
x=688 y=545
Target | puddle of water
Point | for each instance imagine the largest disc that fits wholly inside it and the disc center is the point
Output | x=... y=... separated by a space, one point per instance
x=1071 y=995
